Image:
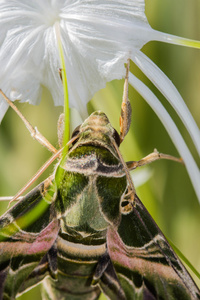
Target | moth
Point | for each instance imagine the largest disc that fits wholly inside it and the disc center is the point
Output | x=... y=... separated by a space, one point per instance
x=94 y=235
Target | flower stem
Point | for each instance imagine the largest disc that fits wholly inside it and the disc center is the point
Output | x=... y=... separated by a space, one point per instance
x=66 y=132
x=184 y=259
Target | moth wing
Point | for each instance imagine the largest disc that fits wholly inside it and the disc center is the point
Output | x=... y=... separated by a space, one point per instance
x=146 y=266
x=27 y=254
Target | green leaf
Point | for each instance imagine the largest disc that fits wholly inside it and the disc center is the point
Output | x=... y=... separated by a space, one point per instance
x=184 y=259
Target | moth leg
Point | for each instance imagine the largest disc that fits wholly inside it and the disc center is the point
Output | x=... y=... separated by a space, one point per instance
x=33 y=131
x=125 y=117
x=151 y=158
x=60 y=129
x=37 y=175
x=127 y=203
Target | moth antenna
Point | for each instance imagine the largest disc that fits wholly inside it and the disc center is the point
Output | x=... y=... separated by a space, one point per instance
x=151 y=158
x=41 y=170
x=33 y=131
x=37 y=175
x=126 y=111
x=9 y=198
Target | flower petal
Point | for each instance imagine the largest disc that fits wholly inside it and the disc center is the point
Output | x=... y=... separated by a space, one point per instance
x=166 y=87
x=173 y=39
x=95 y=51
x=3 y=107
x=97 y=38
x=171 y=128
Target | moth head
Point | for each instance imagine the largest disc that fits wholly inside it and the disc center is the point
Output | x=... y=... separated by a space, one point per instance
x=96 y=129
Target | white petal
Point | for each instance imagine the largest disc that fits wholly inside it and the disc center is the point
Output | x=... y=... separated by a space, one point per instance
x=3 y=107
x=170 y=92
x=173 y=39
x=3 y=104
x=171 y=128
x=23 y=54
x=98 y=36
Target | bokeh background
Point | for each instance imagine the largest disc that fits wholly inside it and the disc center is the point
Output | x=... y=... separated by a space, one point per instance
x=168 y=195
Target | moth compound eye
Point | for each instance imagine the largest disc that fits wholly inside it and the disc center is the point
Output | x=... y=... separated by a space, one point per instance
x=76 y=131
x=116 y=137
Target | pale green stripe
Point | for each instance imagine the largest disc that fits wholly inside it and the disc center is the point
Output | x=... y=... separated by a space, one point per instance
x=187 y=42
x=173 y=39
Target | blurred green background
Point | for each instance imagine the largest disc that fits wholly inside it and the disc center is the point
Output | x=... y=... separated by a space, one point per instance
x=168 y=195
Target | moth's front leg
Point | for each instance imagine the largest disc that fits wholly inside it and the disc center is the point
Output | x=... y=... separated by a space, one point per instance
x=33 y=131
x=126 y=111
x=151 y=158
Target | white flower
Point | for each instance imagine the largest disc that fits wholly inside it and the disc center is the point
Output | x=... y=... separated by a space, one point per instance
x=98 y=36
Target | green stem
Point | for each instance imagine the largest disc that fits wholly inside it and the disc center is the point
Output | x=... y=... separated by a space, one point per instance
x=66 y=133
x=184 y=259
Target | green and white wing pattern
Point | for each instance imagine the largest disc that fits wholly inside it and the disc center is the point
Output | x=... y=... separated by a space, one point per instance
x=26 y=253
x=146 y=265
x=93 y=235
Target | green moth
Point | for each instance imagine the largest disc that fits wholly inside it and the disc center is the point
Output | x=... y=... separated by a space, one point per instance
x=95 y=235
